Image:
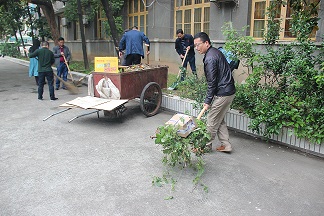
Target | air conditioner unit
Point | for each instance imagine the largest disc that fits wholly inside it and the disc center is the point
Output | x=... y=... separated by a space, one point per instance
x=85 y=20
x=225 y=1
x=217 y=2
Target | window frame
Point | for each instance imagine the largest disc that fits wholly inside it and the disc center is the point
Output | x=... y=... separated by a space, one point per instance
x=283 y=17
x=181 y=6
x=100 y=26
x=136 y=14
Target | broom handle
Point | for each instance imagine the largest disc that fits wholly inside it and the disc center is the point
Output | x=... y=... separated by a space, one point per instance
x=67 y=65
x=184 y=58
x=147 y=55
x=201 y=113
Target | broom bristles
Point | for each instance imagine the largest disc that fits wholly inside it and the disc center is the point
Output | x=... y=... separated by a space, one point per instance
x=71 y=88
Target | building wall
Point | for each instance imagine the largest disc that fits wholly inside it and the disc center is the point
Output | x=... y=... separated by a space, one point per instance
x=160 y=31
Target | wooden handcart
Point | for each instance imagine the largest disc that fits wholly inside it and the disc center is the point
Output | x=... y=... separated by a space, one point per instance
x=144 y=84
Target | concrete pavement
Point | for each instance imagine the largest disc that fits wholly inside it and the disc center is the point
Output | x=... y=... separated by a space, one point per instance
x=97 y=166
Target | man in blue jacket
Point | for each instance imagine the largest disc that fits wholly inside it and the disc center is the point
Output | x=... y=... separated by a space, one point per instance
x=183 y=43
x=132 y=42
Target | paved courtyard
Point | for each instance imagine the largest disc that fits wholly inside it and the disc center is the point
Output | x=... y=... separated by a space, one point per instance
x=96 y=166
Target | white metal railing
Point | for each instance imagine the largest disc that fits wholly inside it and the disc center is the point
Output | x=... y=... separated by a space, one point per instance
x=239 y=121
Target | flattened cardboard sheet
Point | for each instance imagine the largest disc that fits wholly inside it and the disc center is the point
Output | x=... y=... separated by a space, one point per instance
x=89 y=102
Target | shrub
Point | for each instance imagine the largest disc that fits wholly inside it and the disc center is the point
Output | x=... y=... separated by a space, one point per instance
x=285 y=85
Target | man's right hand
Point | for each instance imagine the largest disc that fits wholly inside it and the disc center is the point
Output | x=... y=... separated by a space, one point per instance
x=206 y=106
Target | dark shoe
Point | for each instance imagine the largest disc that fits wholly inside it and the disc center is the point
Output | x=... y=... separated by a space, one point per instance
x=53 y=99
x=56 y=88
x=40 y=98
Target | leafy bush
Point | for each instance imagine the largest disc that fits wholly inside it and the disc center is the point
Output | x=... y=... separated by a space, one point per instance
x=285 y=85
x=9 y=49
x=193 y=88
x=179 y=151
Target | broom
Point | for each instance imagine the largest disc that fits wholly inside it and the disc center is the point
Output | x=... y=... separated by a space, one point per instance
x=176 y=83
x=67 y=65
x=71 y=88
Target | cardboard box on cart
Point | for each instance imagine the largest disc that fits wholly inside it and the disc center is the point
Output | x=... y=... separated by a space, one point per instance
x=185 y=123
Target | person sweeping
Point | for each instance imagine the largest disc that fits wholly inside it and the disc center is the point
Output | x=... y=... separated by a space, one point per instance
x=220 y=90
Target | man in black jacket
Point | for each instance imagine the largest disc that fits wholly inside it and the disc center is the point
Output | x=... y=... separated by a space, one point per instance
x=183 y=43
x=220 y=90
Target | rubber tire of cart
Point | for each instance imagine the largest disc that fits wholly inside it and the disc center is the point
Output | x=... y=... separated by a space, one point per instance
x=151 y=99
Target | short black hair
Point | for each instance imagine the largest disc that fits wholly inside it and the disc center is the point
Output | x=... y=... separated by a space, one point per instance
x=203 y=37
x=45 y=43
x=60 y=39
x=179 y=31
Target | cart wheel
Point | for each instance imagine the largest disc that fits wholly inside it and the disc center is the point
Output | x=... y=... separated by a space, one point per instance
x=151 y=99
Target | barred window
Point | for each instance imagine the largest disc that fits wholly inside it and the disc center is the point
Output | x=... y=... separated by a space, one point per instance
x=102 y=25
x=137 y=14
x=283 y=15
x=192 y=16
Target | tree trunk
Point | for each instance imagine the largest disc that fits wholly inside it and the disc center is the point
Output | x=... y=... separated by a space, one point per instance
x=39 y=17
x=84 y=47
x=48 y=11
x=22 y=42
x=111 y=21
x=31 y=21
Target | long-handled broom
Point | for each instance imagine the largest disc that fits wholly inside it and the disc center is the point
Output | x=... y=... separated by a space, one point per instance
x=71 y=88
x=174 y=85
x=67 y=65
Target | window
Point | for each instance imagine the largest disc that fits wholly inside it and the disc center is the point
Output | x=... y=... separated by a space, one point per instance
x=192 y=16
x=137 y=14
x=77 y=31
x=102 y=25
x=63 y=29
x=283 y=15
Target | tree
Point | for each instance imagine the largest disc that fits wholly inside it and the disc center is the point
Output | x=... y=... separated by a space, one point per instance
x=90 y=8
x=84 y=48
x=108 y=8
x=14 y=11
x=48 y=10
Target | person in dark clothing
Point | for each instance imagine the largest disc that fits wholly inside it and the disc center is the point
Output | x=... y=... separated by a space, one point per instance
x=132 y=42
x=33 y=62
x=45 y=62
x=60 y=52
x=220 y=90
x=183 y=43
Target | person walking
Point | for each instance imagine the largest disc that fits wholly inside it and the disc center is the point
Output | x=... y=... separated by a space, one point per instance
x=60 y=52
x=33 y=62
x=45 y=62
x=183 y=43
x=220 y=90
x=132 y=43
